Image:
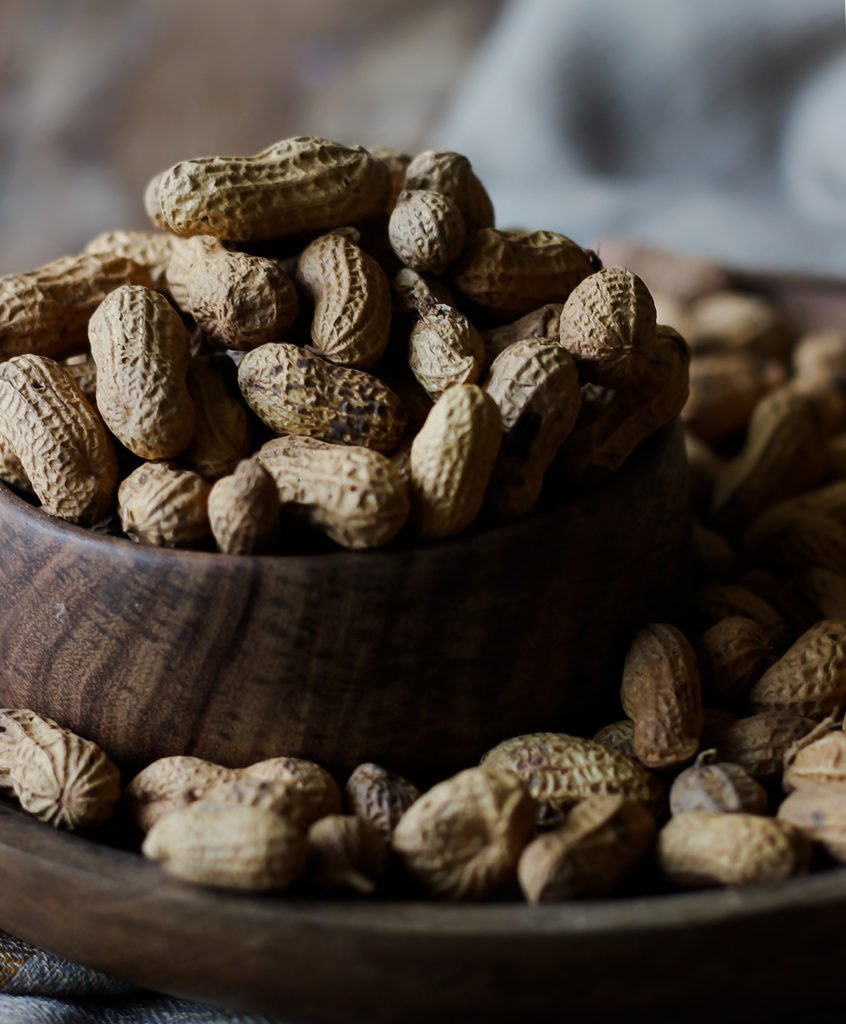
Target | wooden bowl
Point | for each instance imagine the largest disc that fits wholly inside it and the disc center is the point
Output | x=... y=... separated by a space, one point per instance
x=418 y=657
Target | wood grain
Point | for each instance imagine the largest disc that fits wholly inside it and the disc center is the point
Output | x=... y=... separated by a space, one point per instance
x=419 y=657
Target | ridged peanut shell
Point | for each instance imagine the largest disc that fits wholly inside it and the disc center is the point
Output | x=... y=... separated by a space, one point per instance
x=313 y=783
x=354 y=495
x=661 y=694
x=619 y=736
x=294 y=391
x=163 y=505
x=228 y=846
x=346 y=852
x=810 y=679
x=150 y=250
x=452 y=175
x=243 y=510
x=707 y=848
x=426 y=230
x=711 y=785
x=444 y=349
x=560 y=770
x=452 y=458
x=11 y=468
x=222 y=429
x=171 y=783
x=379 y=796
x=717 y=601
x=602 y=838
x=462 y=838
x=821 y=762
x=819 y=813
x=295 y=186
x=733 y=654
x=141 y=350
x=65 y=452
x=759 y=743
x=83 y=369
x=352 y=301
x=544 y=322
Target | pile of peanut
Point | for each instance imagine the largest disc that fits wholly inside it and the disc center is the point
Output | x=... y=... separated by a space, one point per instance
x=326 y=336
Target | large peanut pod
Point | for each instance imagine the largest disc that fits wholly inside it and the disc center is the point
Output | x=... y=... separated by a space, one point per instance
x=426 y=230
x=452 y=459
x=661 y=695
x=296 y=392
x=151 y=250
x=294 y=186
x=140 y=347
x=811 y=677
x=607 y=324
x=452 y=175
x=508 y=273
x=444 y=348
x=222 y=428
x=63 y=448
x=46 y=311
x=535 y=384
x=352 y=301
x=354 y=495
x=236 y=299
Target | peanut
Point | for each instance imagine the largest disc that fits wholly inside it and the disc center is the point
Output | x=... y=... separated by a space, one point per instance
x=724 y=390
x=821 y=762
x=733 y=655
x=222 y=430
x=540 y=323
x=810 y=679
x=819 y=813
x=169 y=784
x=726 y=320
x=426 y=230
x=821 y=355
x=710 y=785
x=452 y=175
x=760 y=743
x=313 y=784
x=243 y=510
x=409 y=289
x=150 y=250
x=444 y=349
x=163 y=505
x=619 y=736
x=380 y=796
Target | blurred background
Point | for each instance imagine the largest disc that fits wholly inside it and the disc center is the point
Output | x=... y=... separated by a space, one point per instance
x=715 y=129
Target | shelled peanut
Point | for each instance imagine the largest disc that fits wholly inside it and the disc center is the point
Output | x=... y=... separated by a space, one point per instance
x=336 y=281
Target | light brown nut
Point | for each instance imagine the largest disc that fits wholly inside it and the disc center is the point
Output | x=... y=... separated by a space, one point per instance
x=601 y=840
x=732 y=320
x=820 y=762
x=63 y=448
x=222 y=429
x=452 y=175
x=560 y=770
x=46 y=311
x=661 y=695
x=462 y=838
x=714 y=557
x=619 y=736
x=444 y=348
x=759 y=743
x=57 y=776
x=285 y=798
x=163 y=505
x=607 y=325
x=11 y=469
x=379 y=796
x=718 y=601
x=821 y=354
x=314 y=785
x=354 y=495
x=352 y=301
x=540 y=323
x=819 y=813
x=508 y=273
x=426 y=230
x=725 y=388
x=293 y=187
x=244 y=510
x=706 y=848
x=236 y=299
x=83 y=369
x=452 y=458
x=733 y=654
x=535 y=385
x=712 y=785
x=396 y=161
x=228 y=846
x=296 y=392
x=148 y=249
x=409 y=289
x=141 y=350
x=346 y=852
x=171 y=783
x=784 y=454
x=810 y=679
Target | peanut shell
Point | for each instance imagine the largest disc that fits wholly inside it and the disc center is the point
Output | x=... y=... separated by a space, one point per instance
x=379 y=796
x=810 y=679
x=346 y=852
x=171 y=783
x=222 y=429
x=821 y=762
x=733 y=655
x=150 y=250
x=426 y=230
x=444 y=349
x=759 y=743
x=818 y=813
x=243 y=510
x=452 y=175
x=709 y=785
x=163 y=505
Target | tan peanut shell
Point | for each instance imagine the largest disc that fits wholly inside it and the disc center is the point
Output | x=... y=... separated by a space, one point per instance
x=243 y=510
x=535 y=385
x=560 y=770
x=463 y=837
x=293 y=187
x=222 y=429
x=706 y=848
x=65 y=453
x=712 y=785
x=409 y=289
x=737 y=321
x=733 y=654
x=452 y=175
x=379 y=796
x=275 y=795
x=602 y=838
x=236 y=299
x=619 y=736
x=508 y=273
x=346 y=852
x=148 y=249
x=820 y=762
x=607 y=324
x=426 y=230
x=228 y=846
x=819 y=813
x=83 y=369
x=296 y=392
x=171 y=783
x=810 y=679
x=444 y=349
x=724 y=389
x=163 y=505
x=718 y=601
x=452 y=458
x=352 y=301
x=354 y=495
x=141 y=350
x=544 y=322
x=57 y=776
x=314 y=786
x=661 y=694
x=46 y=311
x=759 y=743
